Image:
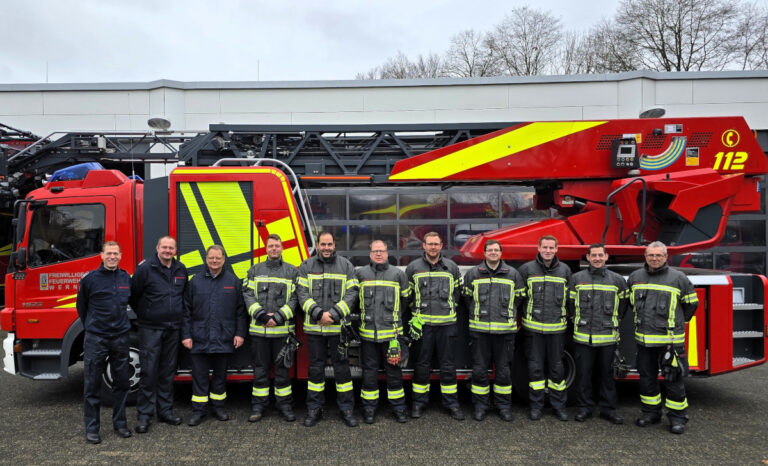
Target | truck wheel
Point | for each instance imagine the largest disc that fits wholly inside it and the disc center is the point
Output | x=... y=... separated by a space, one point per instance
x=107 y=379
x=520 y=373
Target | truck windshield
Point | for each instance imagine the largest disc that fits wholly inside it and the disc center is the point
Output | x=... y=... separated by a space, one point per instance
x=61 y=233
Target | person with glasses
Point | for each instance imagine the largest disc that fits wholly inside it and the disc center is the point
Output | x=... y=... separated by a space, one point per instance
x=384 y=292
x=664 y=300
x=435 y=286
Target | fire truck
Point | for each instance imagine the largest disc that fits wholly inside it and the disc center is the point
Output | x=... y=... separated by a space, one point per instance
x=624 y=183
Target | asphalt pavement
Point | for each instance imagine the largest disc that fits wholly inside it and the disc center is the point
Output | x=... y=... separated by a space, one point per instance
x=42 y=423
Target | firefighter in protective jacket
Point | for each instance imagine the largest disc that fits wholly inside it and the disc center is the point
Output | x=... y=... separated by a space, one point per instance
x=270 y=298
x=384 y=292
x=494 y=291
x=435 y=289
x=544 y=321
x=664 y=300
x=327 y=292
x=598 y=300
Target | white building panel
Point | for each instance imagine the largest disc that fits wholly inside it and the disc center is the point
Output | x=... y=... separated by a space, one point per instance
x=21 y=103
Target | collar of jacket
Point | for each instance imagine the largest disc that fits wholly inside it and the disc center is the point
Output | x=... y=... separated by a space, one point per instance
x=554 y=263
x=437 y=264
x=155 y=262
x=661 y=269
x=379 y=267
x=597 y=271
x=329 y=260
x=210 y=275
x=275 y=263
x=103 y=269
x=501 y=268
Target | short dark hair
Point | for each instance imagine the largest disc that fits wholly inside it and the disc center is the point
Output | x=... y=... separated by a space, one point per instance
x=165 y=237
x=275 y=237
x=596 y=246
x=111 y=243
x=547 y=238
x=326 y=232
x=491 y=242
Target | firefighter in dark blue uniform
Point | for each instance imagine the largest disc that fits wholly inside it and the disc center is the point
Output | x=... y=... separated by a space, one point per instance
x=102 y=300
x=157 y=293
x=214 y=326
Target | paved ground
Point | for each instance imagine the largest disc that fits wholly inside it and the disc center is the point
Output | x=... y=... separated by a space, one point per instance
x=41 y=422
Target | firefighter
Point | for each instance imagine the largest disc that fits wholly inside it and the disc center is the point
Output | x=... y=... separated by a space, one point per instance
x=214 y=325
x=327 y=292
x=102 y=305
x=598 y=300
x=544 y=321
x=435 y=286
x=493 y=291
x=157 y=295
x=664 y=300
x=270 y=298
x=384 y=292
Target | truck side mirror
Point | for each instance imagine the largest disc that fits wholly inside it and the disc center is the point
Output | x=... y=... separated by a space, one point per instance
x=20 y=259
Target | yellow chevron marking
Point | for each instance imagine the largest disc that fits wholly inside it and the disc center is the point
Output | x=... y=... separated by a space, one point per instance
x=510 y=143
x=196 y=214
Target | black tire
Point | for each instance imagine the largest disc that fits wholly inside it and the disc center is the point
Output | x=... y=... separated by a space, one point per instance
x=520 y=370
x=107 y=377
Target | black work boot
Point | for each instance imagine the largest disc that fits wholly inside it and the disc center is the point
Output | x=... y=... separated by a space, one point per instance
x=313 y=416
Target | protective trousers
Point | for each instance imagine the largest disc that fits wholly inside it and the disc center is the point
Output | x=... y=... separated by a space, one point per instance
x=373 y=356
x=541 y=349
x=440 y=340
x=263 y=353
x=202 y=389
x=158 y=350
x=319 y=348
x=499 y=349
x=97 y=349
x=595 y=362
x=650 y=393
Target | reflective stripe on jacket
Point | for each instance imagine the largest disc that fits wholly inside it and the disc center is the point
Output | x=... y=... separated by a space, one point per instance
x=663 y=300
x=546 y=295
x=493 y=297
x=598 y=300
x=435 y=290
x=270 y=288
x=326 y=285
x=384 y=291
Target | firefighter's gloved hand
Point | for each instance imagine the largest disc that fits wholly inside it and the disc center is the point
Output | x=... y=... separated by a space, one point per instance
x=415 y=327
x=393 y=353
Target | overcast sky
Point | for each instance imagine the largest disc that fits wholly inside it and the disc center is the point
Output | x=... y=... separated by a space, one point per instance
x=199 y=40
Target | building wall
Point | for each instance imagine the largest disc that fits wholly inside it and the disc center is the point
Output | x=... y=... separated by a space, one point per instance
x=192 y=106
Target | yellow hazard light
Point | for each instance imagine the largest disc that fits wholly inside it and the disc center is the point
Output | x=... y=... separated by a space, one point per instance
x=17 y=348
x=33 y=321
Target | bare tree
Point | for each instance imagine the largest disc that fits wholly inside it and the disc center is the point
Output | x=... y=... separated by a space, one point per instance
x=469 y=55
x=401 y=67
x=678 y=35
x=750 y=37
x=526 y=41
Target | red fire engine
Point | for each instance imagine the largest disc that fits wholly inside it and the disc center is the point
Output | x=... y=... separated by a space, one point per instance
x=622 y=182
